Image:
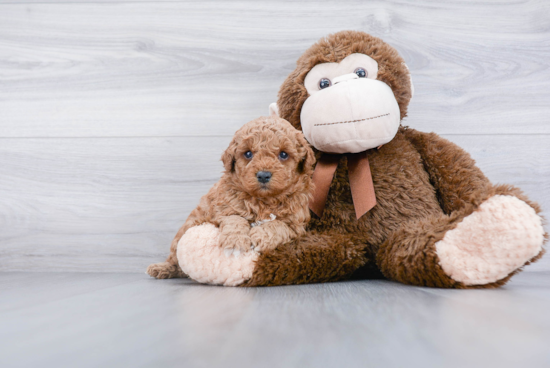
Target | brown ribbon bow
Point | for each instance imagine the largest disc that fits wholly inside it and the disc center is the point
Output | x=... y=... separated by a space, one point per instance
x=360 y=181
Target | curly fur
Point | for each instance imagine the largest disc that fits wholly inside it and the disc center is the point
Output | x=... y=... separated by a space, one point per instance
x=239 y=199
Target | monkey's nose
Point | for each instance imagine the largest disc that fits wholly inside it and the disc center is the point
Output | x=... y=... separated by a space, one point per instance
x=345 y=77
x=263 y=176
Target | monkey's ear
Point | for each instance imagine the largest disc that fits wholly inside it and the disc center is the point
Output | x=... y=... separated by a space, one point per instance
x=228 y=157
x=410 y=79
x=273 y=109
x=308 y=157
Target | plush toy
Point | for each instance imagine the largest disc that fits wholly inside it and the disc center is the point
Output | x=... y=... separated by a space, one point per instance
x=389 y=200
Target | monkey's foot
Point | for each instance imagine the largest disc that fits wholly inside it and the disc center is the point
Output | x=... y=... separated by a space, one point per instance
x=501 y=236
x=202 y=258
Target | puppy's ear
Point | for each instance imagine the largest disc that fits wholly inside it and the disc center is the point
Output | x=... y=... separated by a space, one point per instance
x=228 y=157
x=305 y=166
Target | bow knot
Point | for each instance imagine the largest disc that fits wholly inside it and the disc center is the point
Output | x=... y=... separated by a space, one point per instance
x=360 y=181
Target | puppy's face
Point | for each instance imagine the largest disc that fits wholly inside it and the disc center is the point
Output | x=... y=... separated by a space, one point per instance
x=268 y=157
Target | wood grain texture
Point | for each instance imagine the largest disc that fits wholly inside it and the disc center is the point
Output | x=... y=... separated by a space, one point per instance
x=128 y=320
x=66 y=201
x=113 y=114
x=194 y=68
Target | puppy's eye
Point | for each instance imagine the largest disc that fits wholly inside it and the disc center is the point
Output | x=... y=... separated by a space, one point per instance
x=283 y=155
x=248 y=155
x=361 y=72
x=324 y=83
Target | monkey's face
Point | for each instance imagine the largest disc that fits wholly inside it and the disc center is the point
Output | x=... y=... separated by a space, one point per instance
x=348 y=93
x=348 y=110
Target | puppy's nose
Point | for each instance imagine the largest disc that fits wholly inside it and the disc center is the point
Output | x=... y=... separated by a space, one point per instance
x=263 y=176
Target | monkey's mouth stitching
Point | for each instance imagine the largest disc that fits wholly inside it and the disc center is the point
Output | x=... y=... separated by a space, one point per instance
x=353 y=121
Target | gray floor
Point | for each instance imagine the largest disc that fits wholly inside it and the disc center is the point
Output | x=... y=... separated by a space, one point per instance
x=130 y=320
x=113 y=117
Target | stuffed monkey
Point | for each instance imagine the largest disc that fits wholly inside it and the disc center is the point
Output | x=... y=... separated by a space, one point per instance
x=389 y=200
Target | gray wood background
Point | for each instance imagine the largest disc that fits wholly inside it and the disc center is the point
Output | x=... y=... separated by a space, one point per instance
x=113 y=114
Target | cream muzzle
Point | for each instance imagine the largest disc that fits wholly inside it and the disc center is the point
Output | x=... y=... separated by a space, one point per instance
x=353 y=115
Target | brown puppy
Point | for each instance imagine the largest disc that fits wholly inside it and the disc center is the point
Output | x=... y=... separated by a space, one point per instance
x=268 y=168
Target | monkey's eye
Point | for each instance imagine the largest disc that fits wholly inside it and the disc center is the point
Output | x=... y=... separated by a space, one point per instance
x=361 y=72
x=324 y=83
x=248 y=155
x=283 y=155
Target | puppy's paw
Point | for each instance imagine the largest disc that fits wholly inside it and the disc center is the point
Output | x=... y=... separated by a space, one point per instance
x=261 y=239
x=163 y=270
x=235 y=244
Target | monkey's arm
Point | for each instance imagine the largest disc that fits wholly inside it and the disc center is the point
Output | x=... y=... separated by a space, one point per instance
x=461 y=186
x=458 y=181
x=311 y=258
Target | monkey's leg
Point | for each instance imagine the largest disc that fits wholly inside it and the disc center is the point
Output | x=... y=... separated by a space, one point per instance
x=479 y=248
x=314 y=257
x=501 y=229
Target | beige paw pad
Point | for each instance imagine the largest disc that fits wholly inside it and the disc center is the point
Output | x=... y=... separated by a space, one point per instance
x=202 y=259
x=498 y=238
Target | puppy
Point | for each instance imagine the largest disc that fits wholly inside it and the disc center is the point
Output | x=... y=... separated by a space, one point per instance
x=261 y=201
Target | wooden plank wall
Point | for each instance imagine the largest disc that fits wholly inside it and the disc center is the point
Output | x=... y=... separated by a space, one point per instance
x=113 y=114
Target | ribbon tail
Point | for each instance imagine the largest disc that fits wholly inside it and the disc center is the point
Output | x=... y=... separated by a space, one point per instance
x=360 y=181
x=322 y=178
